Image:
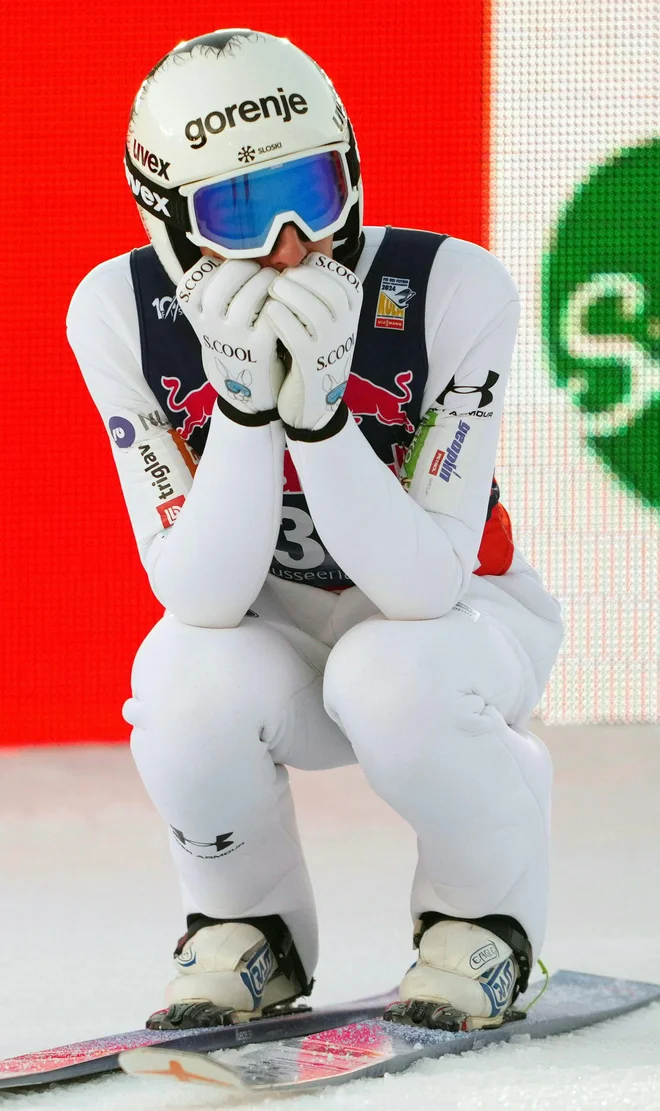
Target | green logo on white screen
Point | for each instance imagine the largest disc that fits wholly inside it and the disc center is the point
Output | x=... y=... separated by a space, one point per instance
x=601 y=314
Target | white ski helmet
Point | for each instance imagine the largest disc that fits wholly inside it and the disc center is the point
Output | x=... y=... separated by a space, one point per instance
x=230 y=103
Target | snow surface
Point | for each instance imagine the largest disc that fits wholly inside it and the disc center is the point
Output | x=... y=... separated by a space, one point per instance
x=90 y=915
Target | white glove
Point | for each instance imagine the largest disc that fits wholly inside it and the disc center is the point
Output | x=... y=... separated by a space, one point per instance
x=315 y=309
x=223 y=302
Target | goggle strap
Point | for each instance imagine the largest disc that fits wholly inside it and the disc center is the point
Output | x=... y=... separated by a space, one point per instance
x=166 y=204
x=352 y=160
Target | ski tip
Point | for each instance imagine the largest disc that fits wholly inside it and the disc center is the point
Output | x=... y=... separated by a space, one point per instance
x=188 y=1068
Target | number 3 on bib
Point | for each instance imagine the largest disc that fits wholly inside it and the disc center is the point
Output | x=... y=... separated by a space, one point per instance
x=298 y=547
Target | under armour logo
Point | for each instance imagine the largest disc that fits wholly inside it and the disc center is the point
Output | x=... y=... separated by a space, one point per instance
x=484 y=391
x=221 y=842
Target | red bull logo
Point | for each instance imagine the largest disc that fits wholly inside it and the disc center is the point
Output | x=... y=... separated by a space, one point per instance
x=198 y=404
x=366 y=399
x=291 y=479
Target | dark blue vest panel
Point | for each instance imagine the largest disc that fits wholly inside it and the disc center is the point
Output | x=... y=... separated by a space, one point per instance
x=385 y=389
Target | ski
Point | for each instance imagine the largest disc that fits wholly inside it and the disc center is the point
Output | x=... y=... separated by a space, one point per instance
x=372 y=1048
x=99 y=1055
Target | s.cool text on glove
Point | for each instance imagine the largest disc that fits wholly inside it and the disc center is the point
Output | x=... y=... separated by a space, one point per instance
x=338 y=353
x=241 y=353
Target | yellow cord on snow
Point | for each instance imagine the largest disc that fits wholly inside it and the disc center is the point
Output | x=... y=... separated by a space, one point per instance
x=536 y=998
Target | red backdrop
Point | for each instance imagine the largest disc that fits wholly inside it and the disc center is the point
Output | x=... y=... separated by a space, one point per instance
x=75 y=601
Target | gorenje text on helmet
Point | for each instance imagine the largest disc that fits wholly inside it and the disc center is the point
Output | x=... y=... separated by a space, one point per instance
x=249 y=111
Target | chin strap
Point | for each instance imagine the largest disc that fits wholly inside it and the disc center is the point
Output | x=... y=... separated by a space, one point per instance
x=187 y=253
x=349 y=251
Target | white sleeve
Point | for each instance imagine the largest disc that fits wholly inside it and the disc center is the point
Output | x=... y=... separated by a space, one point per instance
x=205 y=529
x=412 y=552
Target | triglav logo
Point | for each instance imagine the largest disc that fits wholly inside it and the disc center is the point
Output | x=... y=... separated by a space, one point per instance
x=601 y=304
x=157 y=471
x=170 y=510
x=249 y=111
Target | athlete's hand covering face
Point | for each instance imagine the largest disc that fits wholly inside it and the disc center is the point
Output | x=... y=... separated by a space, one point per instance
x=315 y=309
x=224 y=301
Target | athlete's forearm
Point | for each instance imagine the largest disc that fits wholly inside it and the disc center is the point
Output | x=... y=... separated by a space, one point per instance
x=390 y=547
x=211 y=565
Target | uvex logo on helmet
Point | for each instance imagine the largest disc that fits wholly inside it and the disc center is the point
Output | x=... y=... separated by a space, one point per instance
x=148 y=196
x=156 y=164
x=249 y=111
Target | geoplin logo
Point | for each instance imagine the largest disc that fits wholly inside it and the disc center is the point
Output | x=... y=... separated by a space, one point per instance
x=601 y=314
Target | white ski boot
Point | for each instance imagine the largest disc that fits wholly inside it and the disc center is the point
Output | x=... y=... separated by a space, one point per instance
x=230 y=972
x=466 y=976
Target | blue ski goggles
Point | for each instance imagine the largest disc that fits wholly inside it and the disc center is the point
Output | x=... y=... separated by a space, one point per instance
x=242 y=215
